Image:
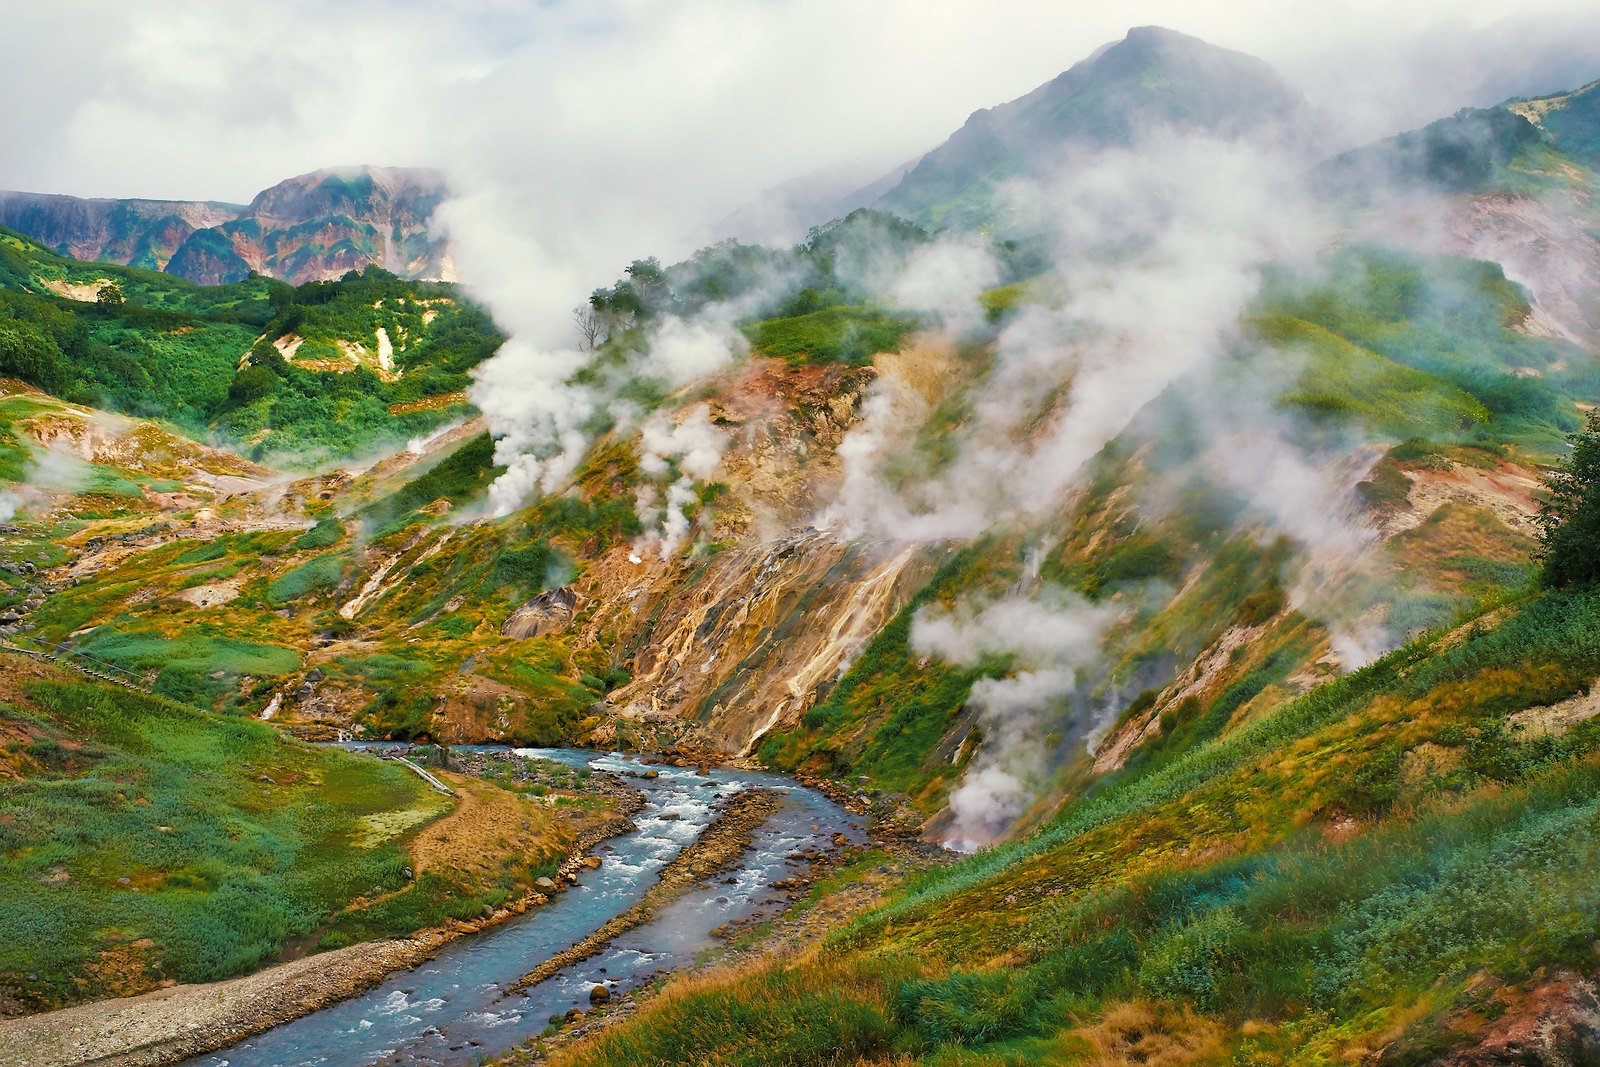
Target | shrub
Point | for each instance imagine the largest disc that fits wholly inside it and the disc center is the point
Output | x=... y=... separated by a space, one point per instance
x=1569 y=538
x=966 y=1008
x=326 y=533
x=533 y=567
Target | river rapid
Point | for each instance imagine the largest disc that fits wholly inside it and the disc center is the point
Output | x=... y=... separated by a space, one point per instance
x=454 y=1008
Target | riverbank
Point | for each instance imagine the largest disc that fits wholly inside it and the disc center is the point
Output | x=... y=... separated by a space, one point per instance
x=170 y=1025
x=825 y=894
x=718 y=847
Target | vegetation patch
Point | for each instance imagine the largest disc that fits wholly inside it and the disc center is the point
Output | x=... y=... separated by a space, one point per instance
x=212 y=841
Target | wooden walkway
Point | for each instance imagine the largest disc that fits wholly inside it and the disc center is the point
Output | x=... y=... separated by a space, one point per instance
x=82 y=662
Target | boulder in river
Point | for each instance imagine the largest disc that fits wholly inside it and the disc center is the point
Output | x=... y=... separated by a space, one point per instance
x=599 y=995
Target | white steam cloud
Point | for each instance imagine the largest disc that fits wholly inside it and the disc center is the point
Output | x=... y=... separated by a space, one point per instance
x=1312 y=500
x=537 y=416
x=1051 y=641
x=677 y=454
x=544 y=420
x=1159 y=248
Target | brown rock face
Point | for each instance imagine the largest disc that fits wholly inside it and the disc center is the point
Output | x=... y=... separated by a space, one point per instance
x=1555 y=1023
x=764 y=630
x=548 y=613
x=312 y=227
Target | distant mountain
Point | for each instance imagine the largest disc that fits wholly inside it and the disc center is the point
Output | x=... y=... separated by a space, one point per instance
x=1481 y=149
x=1570 y=120
x=308 y=228
x=1466 y=152
x=1153 y=78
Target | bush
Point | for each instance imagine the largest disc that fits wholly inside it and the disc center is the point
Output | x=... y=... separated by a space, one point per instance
x=324 y=534
x=1569 y=539
x=966 y=1008
x=529 y=568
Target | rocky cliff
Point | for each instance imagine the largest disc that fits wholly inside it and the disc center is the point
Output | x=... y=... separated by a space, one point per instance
x=308 y=228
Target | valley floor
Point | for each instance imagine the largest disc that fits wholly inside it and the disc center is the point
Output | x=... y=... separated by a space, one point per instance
x=171 y=1024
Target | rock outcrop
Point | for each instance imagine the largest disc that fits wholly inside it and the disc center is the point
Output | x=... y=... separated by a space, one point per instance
x=308 y=228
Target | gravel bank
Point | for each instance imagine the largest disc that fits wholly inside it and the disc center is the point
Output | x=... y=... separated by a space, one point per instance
x=170 y=1025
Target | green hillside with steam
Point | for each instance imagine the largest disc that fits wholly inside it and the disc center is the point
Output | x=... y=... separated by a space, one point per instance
x=1179 y=546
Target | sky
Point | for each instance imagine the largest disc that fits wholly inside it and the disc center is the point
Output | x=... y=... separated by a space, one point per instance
x=172 y=99
x=581 y=135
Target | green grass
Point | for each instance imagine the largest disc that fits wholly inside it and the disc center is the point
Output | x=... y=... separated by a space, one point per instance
x=1449 y=318
x=1197 y=885
x=203 y=665
x=1342 y=381
x=325 y=534
x=222 y=866
x=843 y=334
x=316 y=575
x=459 y=477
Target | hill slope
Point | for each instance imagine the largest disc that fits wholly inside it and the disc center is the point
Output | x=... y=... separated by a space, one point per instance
x=331 y=369
x=1187 y=576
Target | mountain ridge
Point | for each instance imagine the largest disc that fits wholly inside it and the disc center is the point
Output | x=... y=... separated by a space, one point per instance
x=311 y=227
x=1260 y=669
x=1151 y=78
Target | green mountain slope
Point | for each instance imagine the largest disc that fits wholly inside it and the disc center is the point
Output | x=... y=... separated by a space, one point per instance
x=1217 y=631
x=1152 y=80
x=1570 y=120
x=332 y=369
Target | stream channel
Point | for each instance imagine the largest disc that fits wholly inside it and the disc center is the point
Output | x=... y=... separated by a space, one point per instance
x=453 y=1009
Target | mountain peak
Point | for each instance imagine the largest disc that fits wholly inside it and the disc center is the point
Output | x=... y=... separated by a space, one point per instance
x=1151 y=79
x=1162 y=37
x=358 y=190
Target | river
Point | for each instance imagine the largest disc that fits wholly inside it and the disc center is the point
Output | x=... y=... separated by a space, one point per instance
x=453 y=1009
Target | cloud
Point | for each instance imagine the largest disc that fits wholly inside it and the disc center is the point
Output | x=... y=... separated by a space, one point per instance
x=581 y=136
x=677 y=455
x=1158 y=249
x=201 y=101
x=1050 y=640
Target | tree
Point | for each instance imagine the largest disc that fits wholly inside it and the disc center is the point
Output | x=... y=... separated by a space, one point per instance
x=31 y=354
x=1569 y=521
x=587 y=319
x=110 y=295
x=265 y=354
x=251 y=384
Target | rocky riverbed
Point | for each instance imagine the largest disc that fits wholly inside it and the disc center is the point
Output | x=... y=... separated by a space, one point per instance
x=718 y=848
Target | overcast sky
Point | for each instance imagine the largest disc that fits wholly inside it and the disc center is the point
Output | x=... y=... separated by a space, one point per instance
x=580 y=134
x=176 y=99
